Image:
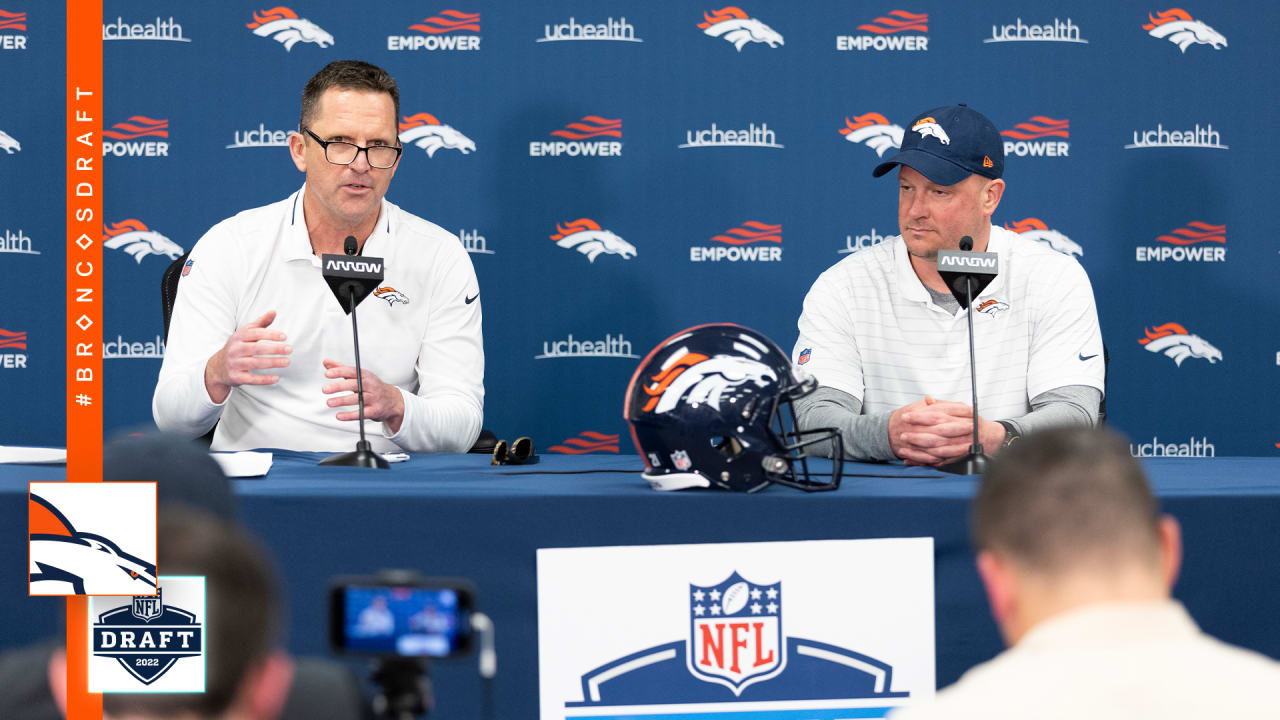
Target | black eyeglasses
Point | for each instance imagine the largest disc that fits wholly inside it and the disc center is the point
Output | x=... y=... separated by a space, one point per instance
x=344 y=153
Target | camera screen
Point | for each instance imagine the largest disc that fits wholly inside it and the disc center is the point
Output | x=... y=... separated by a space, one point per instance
x=420 y=622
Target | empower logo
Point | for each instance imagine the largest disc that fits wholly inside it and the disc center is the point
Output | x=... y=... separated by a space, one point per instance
x=425 y=131
x=579 y=139
x=127 y=138
x=885 y=33
x=92 y=538
x=446 y=31
x=735 y=238
x=873 y=130
x=587 y=441
x=610 y=30
x=751 y=136
x=1178 y=27
x=735 y=26
x=135 y=238
x=1029 y=138
x=1197 y=137
x=1035 y=229
x=285 y=27
x=12 y=23
x=587 y=237
x=18 y=243
x=1173 y=340
x=11 y=342
x=1057 y=31
x=1187 y=244
x=158 y=29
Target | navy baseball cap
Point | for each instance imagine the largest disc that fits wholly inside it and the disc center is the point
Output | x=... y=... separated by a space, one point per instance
x=949 y=143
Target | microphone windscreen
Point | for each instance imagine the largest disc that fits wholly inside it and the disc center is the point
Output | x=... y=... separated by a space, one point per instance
x=966 y=243
x=349 y=245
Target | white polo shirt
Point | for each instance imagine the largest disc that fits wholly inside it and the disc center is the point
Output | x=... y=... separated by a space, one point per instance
x=869 y=328
x=424 y=337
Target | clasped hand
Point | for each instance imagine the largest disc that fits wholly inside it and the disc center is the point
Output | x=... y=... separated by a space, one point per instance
x=931 y=432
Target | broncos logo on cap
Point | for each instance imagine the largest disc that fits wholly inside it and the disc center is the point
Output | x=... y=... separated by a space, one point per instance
x=285 y=27
x=732 y=24
x=391 y=295
x=65 y=561
x=586 y=235
x=927 y=126
x=8 y=143
x=1035 y=229
x=874 y=130
x=696 y=379
x=1174 y=341
x=135 y=238
x=1178 y=27
x=428 y=133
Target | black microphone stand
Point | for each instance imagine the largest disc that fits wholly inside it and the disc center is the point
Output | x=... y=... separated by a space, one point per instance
x=363 y=455
x=975 y=463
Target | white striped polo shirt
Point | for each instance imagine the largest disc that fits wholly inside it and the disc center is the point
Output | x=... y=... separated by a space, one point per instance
x=870 y=329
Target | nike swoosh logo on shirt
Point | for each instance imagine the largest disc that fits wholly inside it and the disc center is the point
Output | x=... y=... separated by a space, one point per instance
x=1088 y=357
x=472 y=298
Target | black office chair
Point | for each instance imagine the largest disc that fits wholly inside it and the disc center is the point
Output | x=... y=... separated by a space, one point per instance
x=169 y=295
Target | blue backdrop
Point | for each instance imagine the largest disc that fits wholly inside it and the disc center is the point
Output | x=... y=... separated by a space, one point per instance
x=743 y=139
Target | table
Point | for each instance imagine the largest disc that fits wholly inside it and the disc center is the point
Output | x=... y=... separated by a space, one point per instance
x=457 y=516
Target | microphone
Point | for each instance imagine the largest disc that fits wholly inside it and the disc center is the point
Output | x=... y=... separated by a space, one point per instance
x=967 y=274
x=351 y=280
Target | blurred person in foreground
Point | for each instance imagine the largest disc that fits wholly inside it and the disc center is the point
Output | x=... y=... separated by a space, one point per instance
x=1078 y=565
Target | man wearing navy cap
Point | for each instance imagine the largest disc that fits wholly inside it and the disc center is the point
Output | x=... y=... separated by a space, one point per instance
x=888 y=343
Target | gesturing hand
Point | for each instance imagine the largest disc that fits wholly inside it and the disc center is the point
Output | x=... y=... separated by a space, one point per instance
x=382 y=402
x=251 y=347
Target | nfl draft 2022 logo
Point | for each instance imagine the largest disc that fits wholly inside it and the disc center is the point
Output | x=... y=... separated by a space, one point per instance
x=149 y=643
x=735 y=636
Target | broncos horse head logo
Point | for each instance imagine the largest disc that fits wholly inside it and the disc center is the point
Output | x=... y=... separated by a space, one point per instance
x=65 y=561
x=732 y=24
x=874 y=130
x=1178 y=27
x=928 y=126
x=133 y=237
x=1035 y=229
x=391 y=295
x=8 y=143
x=428 y=133
x=285 y=27
x=586 y=235
x=696 y=379
x=1173 y=340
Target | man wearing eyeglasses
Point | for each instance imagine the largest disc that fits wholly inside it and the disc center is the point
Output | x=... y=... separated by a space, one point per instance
x=260 y=346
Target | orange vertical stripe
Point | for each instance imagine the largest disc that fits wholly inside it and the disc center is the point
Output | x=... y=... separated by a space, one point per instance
x=83 y=303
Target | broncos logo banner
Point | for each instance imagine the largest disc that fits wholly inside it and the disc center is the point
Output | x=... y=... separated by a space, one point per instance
x=92 y=538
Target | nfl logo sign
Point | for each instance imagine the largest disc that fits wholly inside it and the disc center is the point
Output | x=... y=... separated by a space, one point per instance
x=186 y=267
x=735 y=632
x=147 y=609
x=804 y=356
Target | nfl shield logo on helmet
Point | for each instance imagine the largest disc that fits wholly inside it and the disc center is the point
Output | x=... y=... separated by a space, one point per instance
x=735 y=632
x=681 y=460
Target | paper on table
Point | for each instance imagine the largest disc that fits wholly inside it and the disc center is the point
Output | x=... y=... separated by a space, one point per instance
x=33 y=455
x=243 y=464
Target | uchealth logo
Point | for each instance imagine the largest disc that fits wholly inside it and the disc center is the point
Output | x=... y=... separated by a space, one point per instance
x=587 y=237
x=893 y=32
x=739 y=244
x=121 y=349
x=260 y=137
x=13 y=28
x=150 y=643
x=1196 y=136
x=135 y=238
x=580 y=139
x=1031 y=138
x=285 y=27
x=1174 y=341
x=611 y=346
x=732 y=24
x=157 y=29
x=618 y=30
x=1057 y=31
x=474 y=242
x=1035 y=229
x=450 y=30
x=92 y=538
x=8 y=143
x=587 y=441
x=1178 y=27
x=1192 y=448
x=854 y=243
x=1194 y=242
x=873 y=130
x=12 y=344
x=751 y=136
x=129 y=138
x=424 y=130
x=17 y=242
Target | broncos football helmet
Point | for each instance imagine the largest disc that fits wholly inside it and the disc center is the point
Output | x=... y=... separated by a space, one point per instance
x=711 y=407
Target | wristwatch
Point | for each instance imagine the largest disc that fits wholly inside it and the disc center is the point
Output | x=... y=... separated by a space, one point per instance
x=1011 y=434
